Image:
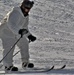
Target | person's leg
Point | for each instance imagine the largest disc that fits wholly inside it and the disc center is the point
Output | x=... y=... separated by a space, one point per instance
x=24 y=50
x=7 y=44
x=23 y=44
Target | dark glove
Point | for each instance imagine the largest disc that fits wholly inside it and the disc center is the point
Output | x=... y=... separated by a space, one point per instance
x=31 y=38
x=22 y=32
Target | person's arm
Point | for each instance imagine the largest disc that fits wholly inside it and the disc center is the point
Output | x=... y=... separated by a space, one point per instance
x=13 y=21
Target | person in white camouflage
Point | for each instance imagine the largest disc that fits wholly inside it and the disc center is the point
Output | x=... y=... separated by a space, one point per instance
x=14 y=25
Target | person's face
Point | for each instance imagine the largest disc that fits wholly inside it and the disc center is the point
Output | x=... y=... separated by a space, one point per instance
x=26 y=9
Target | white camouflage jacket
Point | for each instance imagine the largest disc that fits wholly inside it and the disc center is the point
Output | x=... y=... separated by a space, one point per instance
x=15 y=21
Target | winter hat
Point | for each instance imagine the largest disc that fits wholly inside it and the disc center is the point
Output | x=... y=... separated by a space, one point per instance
x=28 y=4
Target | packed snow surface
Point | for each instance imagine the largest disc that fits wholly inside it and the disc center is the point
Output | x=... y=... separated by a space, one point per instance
x=52 y=22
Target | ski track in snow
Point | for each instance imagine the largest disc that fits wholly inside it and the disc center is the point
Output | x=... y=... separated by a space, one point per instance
x=52 y=22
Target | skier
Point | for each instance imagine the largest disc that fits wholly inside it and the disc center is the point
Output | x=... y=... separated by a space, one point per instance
x=13 y=26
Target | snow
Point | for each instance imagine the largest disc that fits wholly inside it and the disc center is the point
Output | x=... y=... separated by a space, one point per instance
x=52 y=22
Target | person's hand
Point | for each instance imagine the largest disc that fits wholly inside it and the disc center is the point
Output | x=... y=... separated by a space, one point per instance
x=22 y=32
x=31 y=38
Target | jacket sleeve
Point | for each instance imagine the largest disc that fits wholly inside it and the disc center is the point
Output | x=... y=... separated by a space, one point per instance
x=26 y=27
x=13 y=21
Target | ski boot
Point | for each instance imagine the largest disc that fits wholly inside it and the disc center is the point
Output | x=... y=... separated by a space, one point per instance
x=27 y=65
x=11 y=68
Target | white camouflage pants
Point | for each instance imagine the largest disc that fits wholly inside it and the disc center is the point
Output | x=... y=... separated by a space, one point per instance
x=8 y=42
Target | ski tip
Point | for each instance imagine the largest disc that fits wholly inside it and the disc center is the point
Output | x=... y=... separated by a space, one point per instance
x=63 y=66
x=52 y=68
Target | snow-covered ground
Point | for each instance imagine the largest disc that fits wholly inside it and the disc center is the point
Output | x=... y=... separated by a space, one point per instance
x=52 y=22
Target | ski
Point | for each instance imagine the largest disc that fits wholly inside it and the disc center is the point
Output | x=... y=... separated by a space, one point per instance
x=33 y=70
x=60 y=68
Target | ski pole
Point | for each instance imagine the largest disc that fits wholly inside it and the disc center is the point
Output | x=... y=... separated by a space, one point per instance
x=16 y=53
x=10 y=49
